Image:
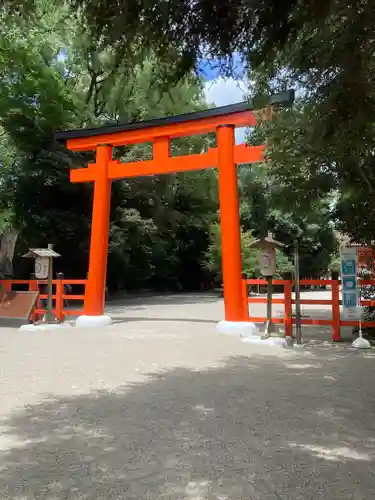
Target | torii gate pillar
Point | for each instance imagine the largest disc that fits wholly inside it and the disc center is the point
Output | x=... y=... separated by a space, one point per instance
x=97 y=275
x=230 y=225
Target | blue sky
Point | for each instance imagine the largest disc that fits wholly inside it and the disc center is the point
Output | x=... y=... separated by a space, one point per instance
x=209 y=68
x=221 y=91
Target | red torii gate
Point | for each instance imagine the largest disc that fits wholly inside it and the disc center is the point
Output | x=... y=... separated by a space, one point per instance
x=225 y=156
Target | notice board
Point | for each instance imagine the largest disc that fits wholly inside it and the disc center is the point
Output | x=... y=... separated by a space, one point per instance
x=17 y=305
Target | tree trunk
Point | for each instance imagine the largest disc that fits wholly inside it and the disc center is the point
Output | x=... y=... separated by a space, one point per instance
x=7 y=246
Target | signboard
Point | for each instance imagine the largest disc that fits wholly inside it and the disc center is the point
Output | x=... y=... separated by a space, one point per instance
x=41 y=268
x=349 y=283
x=349 y=288
x=267 y=261
x=17 y=305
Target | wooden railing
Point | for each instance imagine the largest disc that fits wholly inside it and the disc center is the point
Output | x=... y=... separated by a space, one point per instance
x=59 y=297
x=288 y=320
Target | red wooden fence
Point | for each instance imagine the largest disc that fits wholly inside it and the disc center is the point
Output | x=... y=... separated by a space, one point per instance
x=288 y=320
x=59 y=297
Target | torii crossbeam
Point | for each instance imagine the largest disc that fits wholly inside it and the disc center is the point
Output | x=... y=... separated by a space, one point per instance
x=225 y=157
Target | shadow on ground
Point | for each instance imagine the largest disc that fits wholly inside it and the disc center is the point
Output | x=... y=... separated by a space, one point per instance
x=254 y=428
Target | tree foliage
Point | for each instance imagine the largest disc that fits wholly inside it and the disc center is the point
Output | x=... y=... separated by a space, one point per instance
x=258 y=28
x=323 y=48
x=56 y=75
x=267 y=206
x=308 y=169
x=53 y=77
x=213 y=254
x=324 y=145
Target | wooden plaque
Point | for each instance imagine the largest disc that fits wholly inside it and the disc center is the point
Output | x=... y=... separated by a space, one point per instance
x=17 y=305
x=267 y=262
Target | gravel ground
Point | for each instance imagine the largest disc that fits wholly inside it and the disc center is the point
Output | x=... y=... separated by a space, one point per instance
x=160 y=406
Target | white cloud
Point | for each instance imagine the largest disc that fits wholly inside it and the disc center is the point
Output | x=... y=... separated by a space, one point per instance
x=223 y=91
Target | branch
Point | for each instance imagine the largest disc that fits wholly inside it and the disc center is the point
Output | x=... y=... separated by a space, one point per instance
x=365 y=178
x=92 y=87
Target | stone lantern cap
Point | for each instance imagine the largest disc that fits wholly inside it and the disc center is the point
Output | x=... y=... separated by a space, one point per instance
x=267 y=243
x=41 y=252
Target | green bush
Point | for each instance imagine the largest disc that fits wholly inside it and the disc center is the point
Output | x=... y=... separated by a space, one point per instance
x=250 y=255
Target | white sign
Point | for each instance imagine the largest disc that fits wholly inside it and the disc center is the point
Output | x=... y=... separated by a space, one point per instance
x=349 y=288
x=41 y=267
x=267 y=262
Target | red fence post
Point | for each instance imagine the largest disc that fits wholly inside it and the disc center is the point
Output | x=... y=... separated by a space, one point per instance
x=336 y=335
x=288 y=309
x=245 y=299
x=60 y=297
x=34 y=287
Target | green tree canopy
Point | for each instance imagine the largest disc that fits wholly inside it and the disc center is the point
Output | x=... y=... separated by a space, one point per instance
x=268 y=206
x=53 y=77
x=323 y=48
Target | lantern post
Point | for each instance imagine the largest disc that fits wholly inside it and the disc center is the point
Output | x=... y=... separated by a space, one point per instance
x=267 y=263
x=297 y=291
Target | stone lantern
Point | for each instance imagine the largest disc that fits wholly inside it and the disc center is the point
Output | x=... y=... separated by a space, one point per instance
x=267 y=264
x=43 y=270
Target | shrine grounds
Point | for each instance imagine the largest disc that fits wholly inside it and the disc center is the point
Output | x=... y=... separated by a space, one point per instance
x=160 y=406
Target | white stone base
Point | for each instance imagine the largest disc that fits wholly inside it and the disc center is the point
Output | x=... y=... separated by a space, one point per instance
x=361 y=343
x=242 y=329
x=93 y=321
x=298 y=346
x=271 y=341
x=249 y=333
x=44 y=327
